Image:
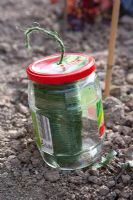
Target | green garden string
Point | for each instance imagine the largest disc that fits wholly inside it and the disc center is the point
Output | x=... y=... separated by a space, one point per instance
x=54 y=35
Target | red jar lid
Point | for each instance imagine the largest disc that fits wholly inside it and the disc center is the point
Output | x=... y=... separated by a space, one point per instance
x=75 y=66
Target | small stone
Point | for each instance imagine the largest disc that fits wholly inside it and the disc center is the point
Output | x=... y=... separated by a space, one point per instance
x=73 y=196
x=125 y=130
x=104 y=190
x=25 y=156
x=116 y=128
x=84 y=189
x=117 y=191
x=4 y=175
x=52 y=176
x=111 y=184
x=114 y=111
x=125 y=178
x=119 y=140
x=15 y=134
x=22 y=109
x=127 y=20
x=101 y=75
x=39 y=176
x=87 y=197
x=16 y=173
x=127 y=139
x=36 y=162
x=11 y=157
x=25 y=173
x=76 y=180
x=125 y=193
x=10 y=183
x=41 y=182
x=129 y=119
x=94 y=172
x=127 y=109
x=111 y=196
x=94 y=179
x=15 y=144
x=120 y=186
x=1 y=165
x=111 y=102
x=25 y=83
x=8 y=165
x=4 y=48
x=115 y=91
x=129 y=78
x=15 y=162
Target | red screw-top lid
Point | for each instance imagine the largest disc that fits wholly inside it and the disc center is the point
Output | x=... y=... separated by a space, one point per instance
x=47 y=70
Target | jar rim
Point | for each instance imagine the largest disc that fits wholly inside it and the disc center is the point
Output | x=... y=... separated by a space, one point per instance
x=60 y=78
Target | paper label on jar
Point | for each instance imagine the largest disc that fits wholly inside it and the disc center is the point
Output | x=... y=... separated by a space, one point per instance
x=100 y=117
x=45 y=133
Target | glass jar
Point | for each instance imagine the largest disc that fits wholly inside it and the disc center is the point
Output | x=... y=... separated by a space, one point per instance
x=66 y=106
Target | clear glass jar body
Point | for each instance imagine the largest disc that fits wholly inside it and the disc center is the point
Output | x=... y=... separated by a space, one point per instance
x=66 y=122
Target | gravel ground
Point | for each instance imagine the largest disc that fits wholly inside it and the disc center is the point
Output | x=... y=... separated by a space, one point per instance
x=23 y=174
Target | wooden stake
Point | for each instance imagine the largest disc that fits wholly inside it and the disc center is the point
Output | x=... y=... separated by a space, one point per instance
x=110 y=62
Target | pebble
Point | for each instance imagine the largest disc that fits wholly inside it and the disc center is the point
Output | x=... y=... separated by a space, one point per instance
x=52 y=176
x=129 y=119
x=119 y=140
x=15 y=134
x=36 y=162
x=73 y=196
x=104 y=190
x=110 y=184
x=22 y=109
x=10 y=183
x=25 y=156
x=111 y=102
x=129 y=78
x=41 y=182
x=94 y=172
x=94 y=179
x=125 y=194
x=117 y=191
x=114 y=111
x=127 y=20
x=127 y=139
x=111 y=196
x=25 y=173
x=76 y=180
x=16 y=173
x=125 y=130
x=15 y=144
x=1 y=165
x=125 y=178
x=5 y=48
x=15 y=162
x=8 y=165
x=115 y=91
x=4 y=175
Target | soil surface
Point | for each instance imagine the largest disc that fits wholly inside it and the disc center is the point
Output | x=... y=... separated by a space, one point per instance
x=23 y=174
